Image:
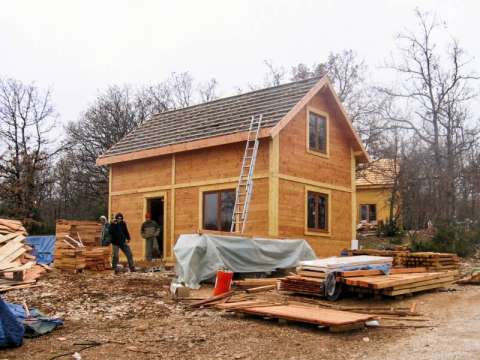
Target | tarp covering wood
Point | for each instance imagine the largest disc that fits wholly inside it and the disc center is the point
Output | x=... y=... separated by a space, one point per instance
x=43 y=248
x=200 y=256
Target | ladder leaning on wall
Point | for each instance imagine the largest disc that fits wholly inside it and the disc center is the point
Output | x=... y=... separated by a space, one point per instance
x=245 y=181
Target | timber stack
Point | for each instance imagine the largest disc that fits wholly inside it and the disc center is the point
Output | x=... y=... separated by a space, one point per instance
x=18 y=268
x=78 y=246
x=369 y=276
x=404 y=258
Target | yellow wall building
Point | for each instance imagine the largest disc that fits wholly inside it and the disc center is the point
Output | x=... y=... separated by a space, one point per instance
x=374 y=186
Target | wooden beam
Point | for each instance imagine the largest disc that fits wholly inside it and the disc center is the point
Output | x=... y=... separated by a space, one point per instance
x=273 y=185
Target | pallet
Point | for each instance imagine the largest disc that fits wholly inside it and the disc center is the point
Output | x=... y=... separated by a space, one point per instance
x=335 y=320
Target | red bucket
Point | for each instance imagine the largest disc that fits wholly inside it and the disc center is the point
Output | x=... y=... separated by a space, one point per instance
x=223 y=282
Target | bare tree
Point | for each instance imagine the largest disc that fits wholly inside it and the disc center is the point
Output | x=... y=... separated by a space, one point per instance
x=26 y=118
x=432 y=101
x=208 y=90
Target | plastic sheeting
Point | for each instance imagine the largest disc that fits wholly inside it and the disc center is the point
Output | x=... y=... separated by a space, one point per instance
x=11 y=329
x=43 y=247
x=14 y=324
x=200 y=256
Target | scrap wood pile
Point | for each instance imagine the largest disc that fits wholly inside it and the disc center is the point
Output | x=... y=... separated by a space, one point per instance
x=78 y=247
x=404 y=258
x=18 y=268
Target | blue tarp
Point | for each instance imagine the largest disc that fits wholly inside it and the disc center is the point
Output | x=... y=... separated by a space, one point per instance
x=43 y=247
x=14 y=325
x=11 y=329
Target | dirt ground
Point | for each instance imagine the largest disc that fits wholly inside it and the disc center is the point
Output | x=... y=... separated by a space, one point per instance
x=134 y=318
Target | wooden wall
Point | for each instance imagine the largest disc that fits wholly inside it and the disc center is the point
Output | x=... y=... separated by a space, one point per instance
x=299 y=169
x=185 y=175
x=378 y=196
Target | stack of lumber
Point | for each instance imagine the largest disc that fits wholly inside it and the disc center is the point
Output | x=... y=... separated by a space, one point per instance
x=78 y=246
x=302 y=285
x=18 y=268
x=433 y=261
x=397 y=255
x=405 y=258
x=399 y=283
x=248 y=283
x=97 y=258
x=69 y=259
x=343 y=263
x=89 y=231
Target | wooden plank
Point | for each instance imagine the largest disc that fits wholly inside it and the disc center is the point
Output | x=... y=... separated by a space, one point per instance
x=416 y=289
x=424 y=283
x=307 y=314
x=261 y=289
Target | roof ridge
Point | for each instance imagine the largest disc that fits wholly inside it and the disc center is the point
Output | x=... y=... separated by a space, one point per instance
x=234 y=96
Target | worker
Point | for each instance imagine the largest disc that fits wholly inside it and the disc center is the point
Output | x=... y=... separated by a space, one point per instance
x=149 y=231
x=105 y=238
x=120 y=240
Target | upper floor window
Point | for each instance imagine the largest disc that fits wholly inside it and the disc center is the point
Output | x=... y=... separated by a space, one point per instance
x=317 y=132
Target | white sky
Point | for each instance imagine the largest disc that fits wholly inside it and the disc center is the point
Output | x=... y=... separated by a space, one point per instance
x=78 y=48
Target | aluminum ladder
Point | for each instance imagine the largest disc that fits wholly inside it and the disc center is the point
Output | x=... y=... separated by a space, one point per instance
x=245 y=181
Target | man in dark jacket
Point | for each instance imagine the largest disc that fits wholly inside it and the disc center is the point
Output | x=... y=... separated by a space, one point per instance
x=149 y=232
x=120 y=239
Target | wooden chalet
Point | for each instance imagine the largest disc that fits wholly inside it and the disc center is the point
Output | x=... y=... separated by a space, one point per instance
x=183 y=167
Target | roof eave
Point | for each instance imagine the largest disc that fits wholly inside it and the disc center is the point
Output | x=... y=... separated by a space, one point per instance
x=176 y=148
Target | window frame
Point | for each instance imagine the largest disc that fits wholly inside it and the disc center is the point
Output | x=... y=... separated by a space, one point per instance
x=328 y=194
x=323 y=114
x=205 y=191
x=368 y=212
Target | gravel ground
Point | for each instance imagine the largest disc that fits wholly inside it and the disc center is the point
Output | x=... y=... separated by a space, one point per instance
x=133 y=317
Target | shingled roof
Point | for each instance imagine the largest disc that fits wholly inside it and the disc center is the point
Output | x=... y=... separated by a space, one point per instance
x=219 y=117
x=379 y=172
x=225 y=121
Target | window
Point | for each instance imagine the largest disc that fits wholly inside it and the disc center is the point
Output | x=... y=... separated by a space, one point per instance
x=317 y=211
x=368 y=212
x=218 y=209
x=317 y=133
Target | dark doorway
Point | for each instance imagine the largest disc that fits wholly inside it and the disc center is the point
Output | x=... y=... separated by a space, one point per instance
x=156 y=209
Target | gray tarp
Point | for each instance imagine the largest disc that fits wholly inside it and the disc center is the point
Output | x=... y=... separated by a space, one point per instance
x=200 y=256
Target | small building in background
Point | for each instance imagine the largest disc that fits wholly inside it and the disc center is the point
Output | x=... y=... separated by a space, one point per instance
x=374 y=187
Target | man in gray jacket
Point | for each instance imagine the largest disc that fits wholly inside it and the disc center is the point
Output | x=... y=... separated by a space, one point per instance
x=149 y=231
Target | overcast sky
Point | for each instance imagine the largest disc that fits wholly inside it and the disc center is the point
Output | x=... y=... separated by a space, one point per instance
x=78 y=48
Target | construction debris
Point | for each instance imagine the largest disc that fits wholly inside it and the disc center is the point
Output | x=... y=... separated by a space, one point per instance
x=472 y=279
x=78 y=247
x=18 y=269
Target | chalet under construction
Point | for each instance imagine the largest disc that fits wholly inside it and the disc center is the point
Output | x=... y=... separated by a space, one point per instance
x=183 y=167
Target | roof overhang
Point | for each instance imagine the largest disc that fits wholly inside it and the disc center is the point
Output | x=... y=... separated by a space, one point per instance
x=176 y=148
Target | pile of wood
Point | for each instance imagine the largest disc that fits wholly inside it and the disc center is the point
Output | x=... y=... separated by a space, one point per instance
x=404 y=258
x=399 y=283
x=97 y=258
x=18 y=268
x=90 y=231
x=302 y=285
x=433 y=261
x=78 y=246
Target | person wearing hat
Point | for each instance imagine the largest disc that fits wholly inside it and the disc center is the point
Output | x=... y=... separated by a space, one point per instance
x=105 y=237
x=120 y=239
x=149 y=231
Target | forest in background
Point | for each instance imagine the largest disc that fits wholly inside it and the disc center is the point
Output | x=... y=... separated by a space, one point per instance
x=425 y=120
